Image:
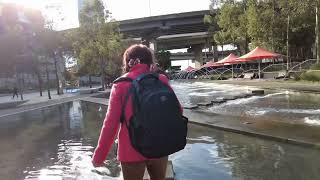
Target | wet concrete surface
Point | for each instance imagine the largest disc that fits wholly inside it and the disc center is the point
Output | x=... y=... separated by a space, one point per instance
x=284 y=114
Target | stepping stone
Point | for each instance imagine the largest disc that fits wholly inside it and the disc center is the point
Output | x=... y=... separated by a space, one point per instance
x=258 y=92
x=169 y=172
x=229 y=98
x=190 y=106
x=205 y=104
x=247 y=123
x=218 y=101
x=242 y=96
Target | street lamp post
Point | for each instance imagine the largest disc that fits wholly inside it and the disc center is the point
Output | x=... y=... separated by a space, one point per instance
x=149 y=7
x=317 y=33
x=288 y=29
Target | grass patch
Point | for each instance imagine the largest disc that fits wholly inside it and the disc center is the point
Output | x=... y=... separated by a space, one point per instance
x=315 y=67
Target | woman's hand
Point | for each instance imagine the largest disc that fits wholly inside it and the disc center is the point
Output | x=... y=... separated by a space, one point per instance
x=97 y=164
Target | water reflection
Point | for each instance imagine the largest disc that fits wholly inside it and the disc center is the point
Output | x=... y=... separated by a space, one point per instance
x=215 y=154
x=57 y=143
x=54 y=143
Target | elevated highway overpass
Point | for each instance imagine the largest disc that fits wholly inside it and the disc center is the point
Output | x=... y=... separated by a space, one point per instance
x=173 y=31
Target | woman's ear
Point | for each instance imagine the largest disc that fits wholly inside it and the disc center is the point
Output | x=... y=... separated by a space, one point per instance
x=137 y=61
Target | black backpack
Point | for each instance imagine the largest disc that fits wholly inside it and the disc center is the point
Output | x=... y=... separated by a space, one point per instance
x=157 y=127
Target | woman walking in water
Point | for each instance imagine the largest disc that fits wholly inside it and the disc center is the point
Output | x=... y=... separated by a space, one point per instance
x=137 y=61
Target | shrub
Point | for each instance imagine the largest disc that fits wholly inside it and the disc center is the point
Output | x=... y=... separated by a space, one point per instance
x=5 y=90
x=311 y=76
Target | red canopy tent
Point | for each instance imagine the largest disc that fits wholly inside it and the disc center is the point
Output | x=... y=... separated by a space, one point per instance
x=189 y=69
x=258 y=54
x=211 y=64
x=231 y=59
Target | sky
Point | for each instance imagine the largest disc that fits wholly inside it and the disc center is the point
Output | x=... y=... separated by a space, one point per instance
x=129 y=9
x=64 y=13
x=66 y=16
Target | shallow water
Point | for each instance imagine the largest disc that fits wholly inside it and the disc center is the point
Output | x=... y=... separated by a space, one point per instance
x=53 y=143
x=212 y=154
x=285 y=106
x=56 y=143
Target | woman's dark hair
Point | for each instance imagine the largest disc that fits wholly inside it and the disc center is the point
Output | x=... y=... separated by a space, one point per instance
x=137 y=51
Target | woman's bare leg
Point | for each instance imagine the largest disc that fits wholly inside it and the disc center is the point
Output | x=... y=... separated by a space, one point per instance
x=157 y=168
x=133 y=171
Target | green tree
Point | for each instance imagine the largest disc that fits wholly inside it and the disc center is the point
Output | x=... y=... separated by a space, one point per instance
x=221 y=38
x=163 y=58
x=87 y=64
x=50 y=47
x=232 y=22
x=97 y=40
x=269 y=23
x=37 y=26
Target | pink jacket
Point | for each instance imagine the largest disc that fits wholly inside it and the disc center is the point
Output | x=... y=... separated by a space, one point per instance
x=126 y=153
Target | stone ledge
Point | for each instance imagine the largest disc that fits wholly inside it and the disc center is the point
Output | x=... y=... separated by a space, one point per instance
x=13 y=104
x=94 y=100
x=190 y=106
x=259 y=135
x=89 y=91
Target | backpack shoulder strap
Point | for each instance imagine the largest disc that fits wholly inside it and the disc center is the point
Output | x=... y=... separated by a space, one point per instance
x=152 y=75
x=124 y=103
x=126 y=98
x=122 y=79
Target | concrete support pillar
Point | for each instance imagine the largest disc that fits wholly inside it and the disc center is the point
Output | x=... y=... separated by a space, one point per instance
x=153 y=45
x=197 y=50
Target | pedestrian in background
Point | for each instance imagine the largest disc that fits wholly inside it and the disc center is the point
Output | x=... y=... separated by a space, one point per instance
x=15 y=92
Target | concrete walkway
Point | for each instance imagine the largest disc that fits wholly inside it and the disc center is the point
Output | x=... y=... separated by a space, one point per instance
x=35 y=101
x=95 y=100
x=34 y=97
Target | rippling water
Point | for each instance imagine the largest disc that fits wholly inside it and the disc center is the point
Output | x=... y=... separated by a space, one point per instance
x=56 y=143
x=283 y=106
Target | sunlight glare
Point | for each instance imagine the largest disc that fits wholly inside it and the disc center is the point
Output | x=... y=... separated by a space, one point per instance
x=33 y=4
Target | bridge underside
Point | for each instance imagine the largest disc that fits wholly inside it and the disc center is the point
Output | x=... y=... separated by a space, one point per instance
x=173 y=31
x=151 y=27
x=179 y=41
x=207 y=56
